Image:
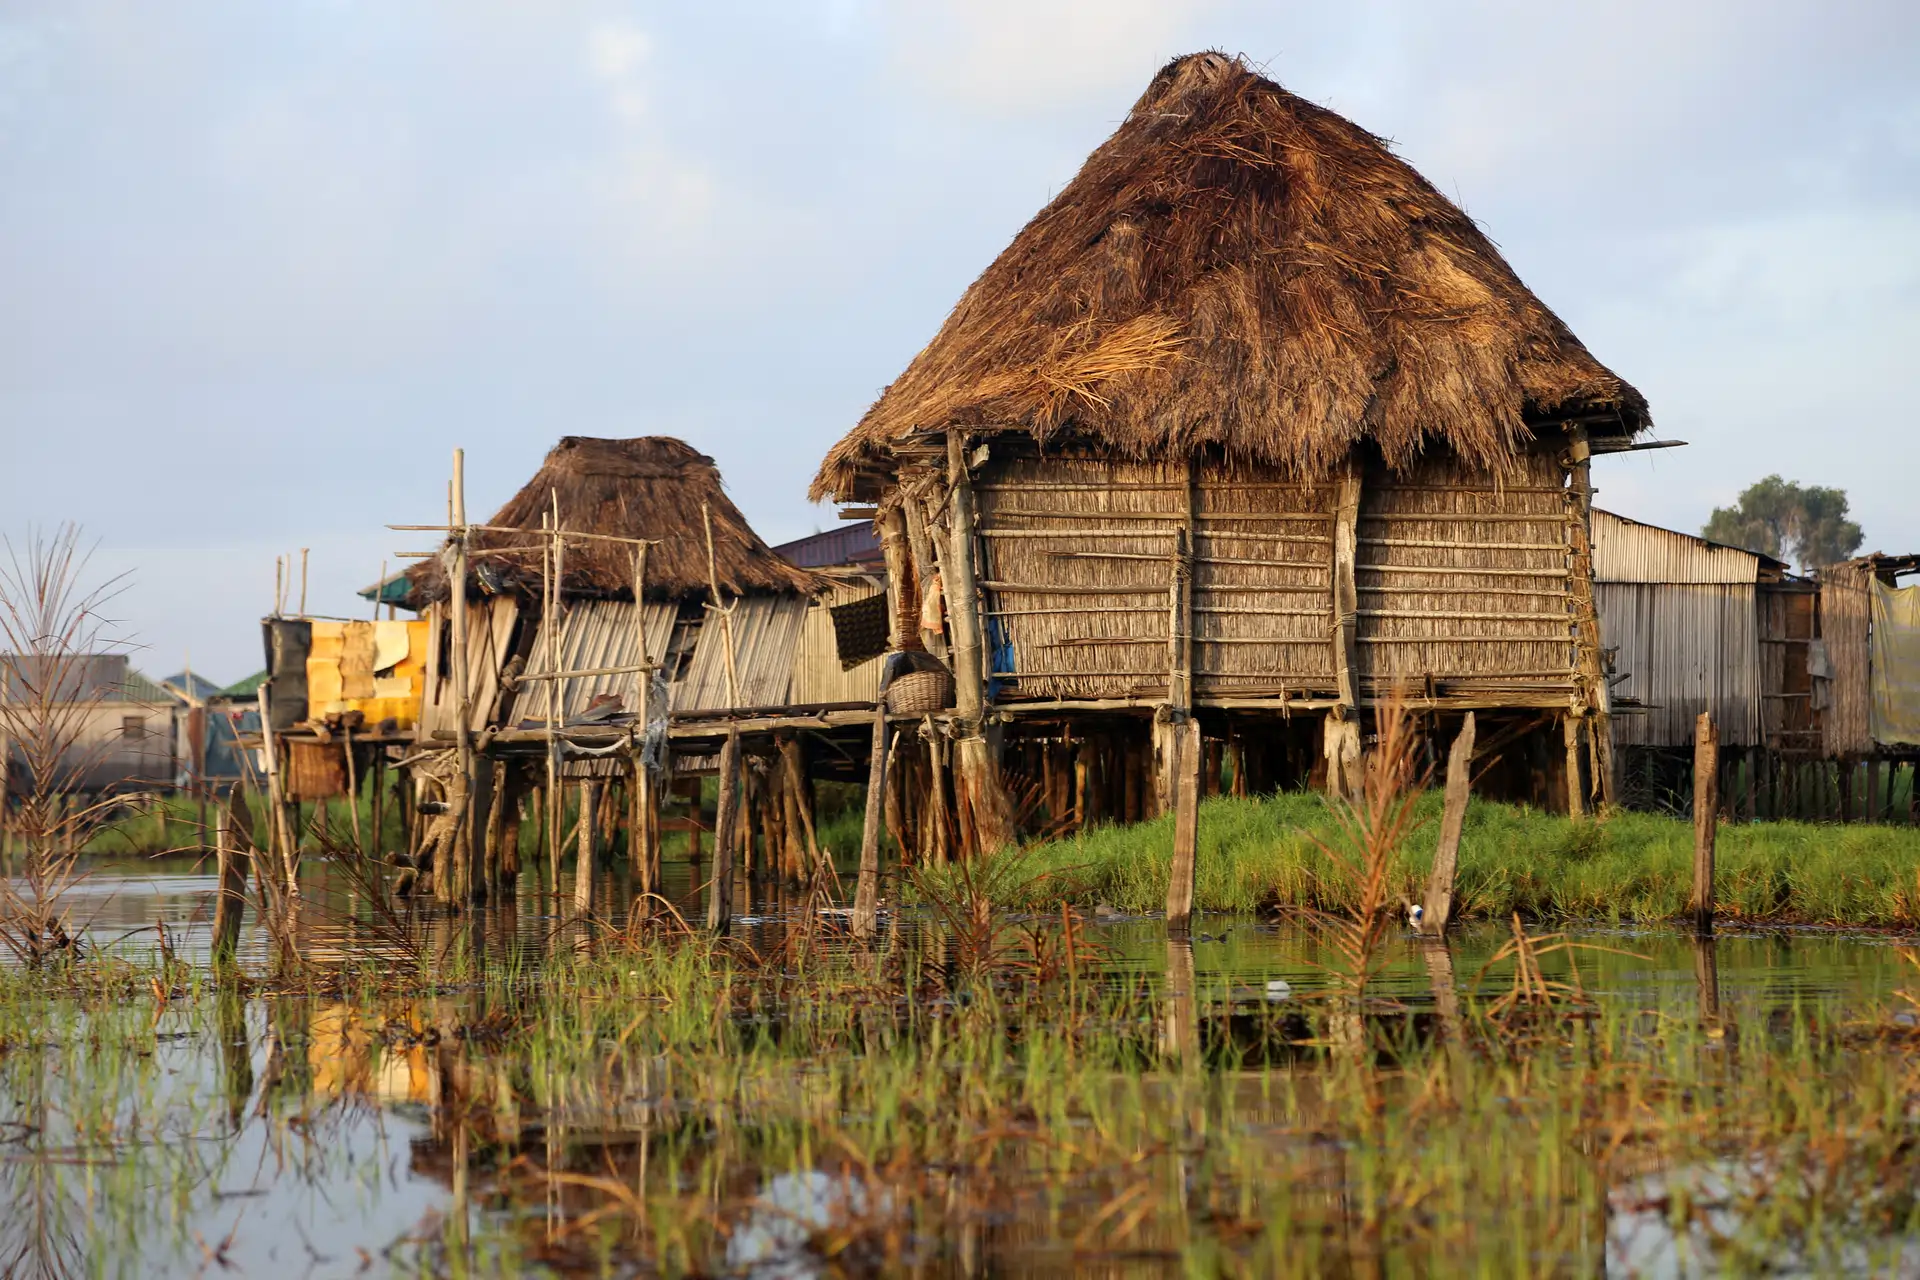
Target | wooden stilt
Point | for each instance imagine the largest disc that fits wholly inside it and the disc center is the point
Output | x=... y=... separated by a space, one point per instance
x=725 y=820
x=583 y=858
x=977 y=784
x=866 y=902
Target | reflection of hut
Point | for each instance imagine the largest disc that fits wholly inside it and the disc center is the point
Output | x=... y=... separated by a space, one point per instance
x=1250 y=424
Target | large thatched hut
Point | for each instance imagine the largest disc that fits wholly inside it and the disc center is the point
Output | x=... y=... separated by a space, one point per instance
x=1249 y=424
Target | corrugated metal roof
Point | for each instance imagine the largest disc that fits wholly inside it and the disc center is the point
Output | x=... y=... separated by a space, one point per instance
x=855 y=544
x=1628 y=551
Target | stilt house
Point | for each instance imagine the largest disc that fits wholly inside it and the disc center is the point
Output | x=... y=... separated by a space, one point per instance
x=1251 y=425
x=607 y=497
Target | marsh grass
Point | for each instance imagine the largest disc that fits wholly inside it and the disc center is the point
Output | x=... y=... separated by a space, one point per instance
x=652 y=1101
x=1265 y=852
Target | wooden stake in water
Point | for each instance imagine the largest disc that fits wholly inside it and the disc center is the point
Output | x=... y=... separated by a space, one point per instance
x=1186 y=825
x=233 y=843
x=1438 y=907
x=583 y=859
x=1706 y=804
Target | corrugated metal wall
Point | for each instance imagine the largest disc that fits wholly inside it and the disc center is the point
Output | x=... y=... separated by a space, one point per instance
x=1627 y=551
x=1682 y=616
x=818 y=679
x=1684 y=648
x=595 y=633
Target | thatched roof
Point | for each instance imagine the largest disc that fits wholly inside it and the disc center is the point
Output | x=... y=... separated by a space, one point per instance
x=652 y=487
x=1239 y=268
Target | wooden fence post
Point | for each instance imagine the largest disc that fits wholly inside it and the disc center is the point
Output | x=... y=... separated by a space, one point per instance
x=1437 y=911
x=1706 y=816
x=725 y=816
x=1186 y=825
x=866 y=898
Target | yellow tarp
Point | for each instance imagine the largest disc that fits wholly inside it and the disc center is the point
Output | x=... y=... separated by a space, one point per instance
x=375 y=668
x=1895 y=645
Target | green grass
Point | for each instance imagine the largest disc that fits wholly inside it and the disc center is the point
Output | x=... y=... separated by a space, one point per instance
x=1260 y=853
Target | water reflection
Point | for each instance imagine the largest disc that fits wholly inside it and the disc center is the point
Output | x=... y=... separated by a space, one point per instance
x=324 y=1131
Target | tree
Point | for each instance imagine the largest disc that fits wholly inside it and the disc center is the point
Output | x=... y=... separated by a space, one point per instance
x=1805 y=524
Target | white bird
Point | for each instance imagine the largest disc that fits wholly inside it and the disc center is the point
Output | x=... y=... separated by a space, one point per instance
x=1278 y=989
x=1415 y=914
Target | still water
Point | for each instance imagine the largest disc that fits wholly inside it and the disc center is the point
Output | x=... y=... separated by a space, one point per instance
x=283 y=1133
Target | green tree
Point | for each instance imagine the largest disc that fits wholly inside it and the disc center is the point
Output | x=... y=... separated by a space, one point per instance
x=1805 y=524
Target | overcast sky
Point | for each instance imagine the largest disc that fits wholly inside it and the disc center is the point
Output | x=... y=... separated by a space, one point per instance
x=265 y=265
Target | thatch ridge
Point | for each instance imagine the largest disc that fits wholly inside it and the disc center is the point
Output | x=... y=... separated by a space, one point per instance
x=648 y=487
x=1239 y=268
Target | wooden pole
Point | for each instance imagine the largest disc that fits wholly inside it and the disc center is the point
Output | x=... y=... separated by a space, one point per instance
x=642 y=849
x=550 y=570
x=1437 y=910
x=1706 y=805
x=233 y=839
x=726 y=611
x=866 y=900
x=1346 y=594
x=1576 y=794
x=583 y=856
x=725 y=817
x=280 y=832
x=455 y=884
x=1186 y=825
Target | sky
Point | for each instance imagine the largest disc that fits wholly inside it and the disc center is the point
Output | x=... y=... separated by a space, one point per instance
x=265 y=266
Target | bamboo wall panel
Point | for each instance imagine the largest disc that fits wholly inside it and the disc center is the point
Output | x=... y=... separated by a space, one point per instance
x=594 y=634
x=766 y=632
x=1844 y=613
x=490 y=625
x=1462 y=579
x=1684 y=648
x=818 y=678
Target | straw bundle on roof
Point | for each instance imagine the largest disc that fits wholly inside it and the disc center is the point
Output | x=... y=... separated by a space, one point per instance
x=1238 y=268
x=652 y=487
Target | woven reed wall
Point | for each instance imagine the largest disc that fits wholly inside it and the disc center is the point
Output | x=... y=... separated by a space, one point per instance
x=1844 y=612
x=1263 y=587
x=1463 y=580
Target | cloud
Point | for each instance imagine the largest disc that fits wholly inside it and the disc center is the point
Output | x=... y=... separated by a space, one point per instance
x=1007 y=57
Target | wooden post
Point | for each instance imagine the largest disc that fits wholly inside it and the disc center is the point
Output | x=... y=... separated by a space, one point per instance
x=725 y=817
x=1706 y=806
x=583 y=857
x=866 y=900
x=454 y=883
x=1186 y=826
x=233 y=839
x=1437 y=910
x=1346 y=594
x=1340 y=740
x=643 y=831
x=1590 y=670
x=978 y=787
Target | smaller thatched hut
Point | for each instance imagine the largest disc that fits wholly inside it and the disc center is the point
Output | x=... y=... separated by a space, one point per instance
x=606 y=497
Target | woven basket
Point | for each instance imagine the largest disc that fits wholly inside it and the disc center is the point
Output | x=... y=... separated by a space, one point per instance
x=919 y=693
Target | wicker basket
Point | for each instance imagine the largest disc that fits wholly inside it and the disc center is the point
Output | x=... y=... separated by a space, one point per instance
x=919 y=693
